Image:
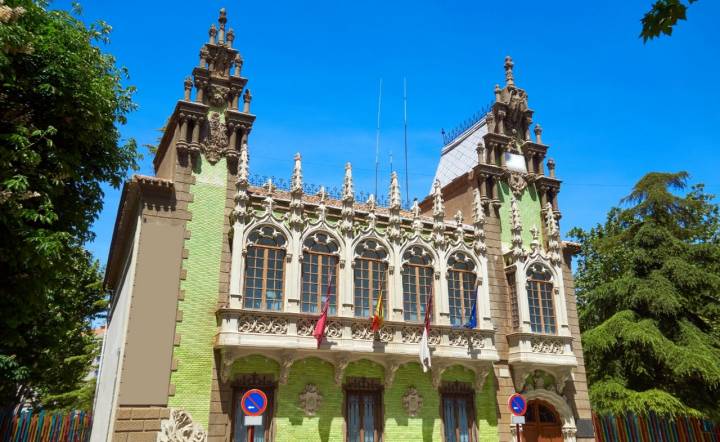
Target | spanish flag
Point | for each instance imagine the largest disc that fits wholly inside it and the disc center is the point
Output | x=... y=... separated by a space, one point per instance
x=377 y=319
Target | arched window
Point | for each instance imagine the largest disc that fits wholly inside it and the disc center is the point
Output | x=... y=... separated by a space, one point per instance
x=417 y=276
x=461 y=288
x=264 y=269
x=319 y=273
x=370 y=277
x=540 y=299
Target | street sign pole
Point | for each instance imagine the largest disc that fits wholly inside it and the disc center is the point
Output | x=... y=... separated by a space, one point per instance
x=517 y=431
x=518 y=407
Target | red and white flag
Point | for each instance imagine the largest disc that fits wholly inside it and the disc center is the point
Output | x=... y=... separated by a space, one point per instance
x=424 y=346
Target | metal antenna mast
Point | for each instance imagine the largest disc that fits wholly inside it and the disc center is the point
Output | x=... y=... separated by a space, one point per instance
x=407 y=180
x=377 y=141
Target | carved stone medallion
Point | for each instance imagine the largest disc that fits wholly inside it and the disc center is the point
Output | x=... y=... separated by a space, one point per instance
x=218 y=95
x=310 y=400
x=517 y=183
x=180 y=428
x=412 y=402
x=217 y=140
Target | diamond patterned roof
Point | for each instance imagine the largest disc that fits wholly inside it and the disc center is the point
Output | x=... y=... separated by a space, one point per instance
x=460 y=155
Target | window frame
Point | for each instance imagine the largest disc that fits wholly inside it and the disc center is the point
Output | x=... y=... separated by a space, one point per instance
x=307 y=252
x=459 y=390
x=416 y=270
x=462 y=297
x=255 y=246
x=373 y=263
x=534 y=289
x=371 y=386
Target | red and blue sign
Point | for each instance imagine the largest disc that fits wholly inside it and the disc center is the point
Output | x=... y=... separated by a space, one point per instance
x=254 y=402
x=517 y=404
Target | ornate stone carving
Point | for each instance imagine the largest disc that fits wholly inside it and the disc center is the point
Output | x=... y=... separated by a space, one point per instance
x=417 y=225
x=386 y=334
x=516 y=229
x=348 y=198
x=310 y=399
x=262 y=324
x=411 y=335
x=478 y=224
x=461 y=338
x=333 y=330
x=438 y=231
x=218 y=95
x=412 y=402
x=180 y=428
x=394 y=232
x=305 y=327
x=546 y=345
x=295 y=216
x=517 y=183
x=217 y=140
x=553 y=234
x=362 y=331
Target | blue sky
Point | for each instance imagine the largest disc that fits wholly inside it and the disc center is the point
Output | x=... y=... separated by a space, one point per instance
x=611 y=107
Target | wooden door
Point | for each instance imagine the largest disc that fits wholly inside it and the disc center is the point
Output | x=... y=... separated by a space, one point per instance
x=542 y=423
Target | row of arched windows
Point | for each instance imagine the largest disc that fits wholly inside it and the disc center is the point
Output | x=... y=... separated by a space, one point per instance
x=265 y=266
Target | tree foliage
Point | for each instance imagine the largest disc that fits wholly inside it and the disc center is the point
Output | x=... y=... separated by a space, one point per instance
x=61 y=99
x=648 y=288
x=662 y=18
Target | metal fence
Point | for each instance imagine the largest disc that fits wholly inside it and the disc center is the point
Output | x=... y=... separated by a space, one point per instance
x=41 y=426
x=653 y=428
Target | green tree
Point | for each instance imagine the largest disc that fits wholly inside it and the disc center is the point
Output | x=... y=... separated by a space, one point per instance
x=662 y=18
x=61 y=99
x=648 y=288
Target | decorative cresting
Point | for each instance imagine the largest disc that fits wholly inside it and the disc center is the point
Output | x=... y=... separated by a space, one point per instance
x=180 y=428
x=310 y=400
x=211 y=124
x=412 y=402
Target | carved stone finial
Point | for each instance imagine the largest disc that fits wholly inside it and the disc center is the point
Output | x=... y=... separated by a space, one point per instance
x=438 y=233
x=480 y=152
x=230 y=37
x=553 y=234
x=497 y=92
x=348 y=191
x=238 y=65
x=459 y=228
x=478 y=223
x=395 y=200
x=204 y=54
x=222 y=20
x=243 y=165
x=247 y=98
x=509 y=79
x=296 y=180
x=538 y=134
x=416 y=223
x=372 y=217
x=212 y=32
x=516 y=229
x=535 y=243
x=188 y=88
x=551 y=167
x=322 y=209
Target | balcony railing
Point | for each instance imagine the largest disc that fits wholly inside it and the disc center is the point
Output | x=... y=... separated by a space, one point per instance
x=280 y=330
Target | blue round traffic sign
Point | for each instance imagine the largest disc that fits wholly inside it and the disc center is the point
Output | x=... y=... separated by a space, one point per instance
x=517 y=404
x=254 y=402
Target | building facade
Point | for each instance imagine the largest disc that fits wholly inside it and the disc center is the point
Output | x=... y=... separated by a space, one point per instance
x=218 y=279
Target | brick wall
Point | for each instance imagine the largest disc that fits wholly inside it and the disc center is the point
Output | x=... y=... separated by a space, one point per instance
x=192 y=380
x=138 y=424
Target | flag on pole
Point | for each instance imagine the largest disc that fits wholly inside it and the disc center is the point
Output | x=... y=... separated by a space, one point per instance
x=424 y=346
x=377 y=319
x=319 y=331
x=472 y=321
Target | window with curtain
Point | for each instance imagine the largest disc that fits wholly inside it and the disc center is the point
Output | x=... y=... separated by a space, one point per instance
x=370 y=277
x=259 y=433
x=319 y=273
x=461 y=288
x=458 y=417
x=363 y=416
x=264 y=269
x=417 y=276
x=540 y=299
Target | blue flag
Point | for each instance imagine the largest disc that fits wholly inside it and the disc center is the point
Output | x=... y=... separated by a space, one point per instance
x=472 y=321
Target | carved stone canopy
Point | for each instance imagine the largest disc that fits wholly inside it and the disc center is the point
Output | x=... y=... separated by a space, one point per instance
x=412 y=402
x=310 y=399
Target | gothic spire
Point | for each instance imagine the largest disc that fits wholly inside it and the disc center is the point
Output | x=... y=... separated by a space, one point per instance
x=348 y=191
x=438 y=235
x=395 y=200
x=509 y=78
x=296 y=185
